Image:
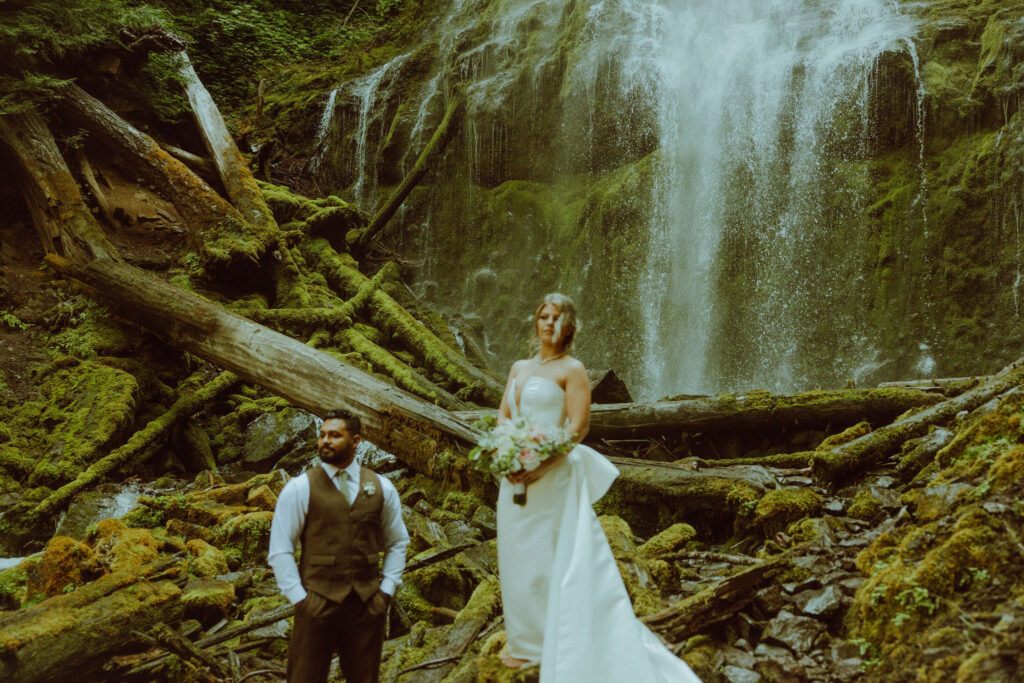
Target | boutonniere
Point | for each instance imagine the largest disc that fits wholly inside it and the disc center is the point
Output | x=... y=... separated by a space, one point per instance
x=369 y=489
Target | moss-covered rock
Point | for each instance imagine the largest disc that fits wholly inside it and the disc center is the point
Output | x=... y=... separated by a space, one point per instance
x=82 y=410
x=13 y=583
x=248 y=533
x=66 y=564
x=778 y=508
x=668 y=540
x=205 y=560
x=207 y=599
x=122 y=549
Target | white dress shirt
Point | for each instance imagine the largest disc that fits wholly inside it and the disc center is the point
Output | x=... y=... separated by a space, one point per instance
x=290 y=518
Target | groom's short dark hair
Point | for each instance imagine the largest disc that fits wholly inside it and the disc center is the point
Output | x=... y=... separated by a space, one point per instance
x=352 y=422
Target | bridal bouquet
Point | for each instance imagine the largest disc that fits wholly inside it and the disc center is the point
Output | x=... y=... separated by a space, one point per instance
x=518 y=446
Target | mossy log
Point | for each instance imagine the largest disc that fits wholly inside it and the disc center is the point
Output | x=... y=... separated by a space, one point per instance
x=834 y=466
x=232 y=168
x=406 y=377
x=66 y=636
x=715 y=603
x=65 y=224
x=449 y=126
x=919 y=452
x=653 y=495
x=137 y=444
x=388 y=315
x=756 y=412
x=417 y=432
x=221 y=235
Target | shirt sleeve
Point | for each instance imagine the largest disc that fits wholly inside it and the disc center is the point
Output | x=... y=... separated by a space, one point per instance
x=289 y=517
x=395 y=536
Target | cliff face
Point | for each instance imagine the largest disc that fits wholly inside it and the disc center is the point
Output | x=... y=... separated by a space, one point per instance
x=737 y=196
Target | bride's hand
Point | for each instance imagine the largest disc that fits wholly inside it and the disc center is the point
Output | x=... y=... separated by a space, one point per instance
x=529 y=476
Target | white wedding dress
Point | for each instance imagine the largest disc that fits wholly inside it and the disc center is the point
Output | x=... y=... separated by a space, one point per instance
x=566 y=606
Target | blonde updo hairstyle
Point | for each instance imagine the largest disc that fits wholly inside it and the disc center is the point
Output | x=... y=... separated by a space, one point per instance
x=566 y=326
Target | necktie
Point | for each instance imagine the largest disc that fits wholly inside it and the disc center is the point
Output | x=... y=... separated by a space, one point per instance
x=342 y=476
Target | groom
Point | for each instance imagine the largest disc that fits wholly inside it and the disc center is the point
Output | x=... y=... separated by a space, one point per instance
x=345 y=516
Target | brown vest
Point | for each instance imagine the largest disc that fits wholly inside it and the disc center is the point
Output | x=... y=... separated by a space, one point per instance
x=341 y=543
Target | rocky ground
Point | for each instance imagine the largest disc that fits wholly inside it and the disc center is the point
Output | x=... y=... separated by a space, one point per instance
x=880 y=579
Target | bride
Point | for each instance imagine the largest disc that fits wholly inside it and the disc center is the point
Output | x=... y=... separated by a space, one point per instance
x=566 y=606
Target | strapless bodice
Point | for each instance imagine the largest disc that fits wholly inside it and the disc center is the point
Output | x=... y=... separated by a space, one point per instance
x=542 y=401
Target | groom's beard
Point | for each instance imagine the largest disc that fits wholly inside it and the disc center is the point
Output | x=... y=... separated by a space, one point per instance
x=340 y=459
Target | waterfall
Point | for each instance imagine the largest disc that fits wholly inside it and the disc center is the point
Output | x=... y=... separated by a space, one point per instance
x=680 y=167
x=760 y=104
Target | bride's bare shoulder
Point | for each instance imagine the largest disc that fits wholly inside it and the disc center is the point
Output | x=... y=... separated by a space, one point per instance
x=573 y=364
x=517 y=367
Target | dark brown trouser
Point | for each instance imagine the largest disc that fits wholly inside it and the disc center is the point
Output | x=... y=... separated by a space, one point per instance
x=352 y=629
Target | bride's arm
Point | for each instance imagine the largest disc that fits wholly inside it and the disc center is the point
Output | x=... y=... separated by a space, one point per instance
x=504 y=413
x=577 y=401
x=577 y=408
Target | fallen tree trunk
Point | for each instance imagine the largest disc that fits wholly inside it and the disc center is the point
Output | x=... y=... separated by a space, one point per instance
x=232 y=168
x=449 y=125
x=417 y=432
x=834 y=466
x=203 y=167
x=388 y=315
x=748 y=412
x=714 y=604
x=65 y=224
x=223 y=238
x=90 y=179
x=61 y=637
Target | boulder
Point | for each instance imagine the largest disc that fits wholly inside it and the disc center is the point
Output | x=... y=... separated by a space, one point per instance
x=205 y=560
x=66 y=564
x=273 y=436
x=247 y=534
x=207 y=599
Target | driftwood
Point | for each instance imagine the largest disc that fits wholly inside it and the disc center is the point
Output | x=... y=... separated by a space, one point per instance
x=715 y=603
x=706 y=556
x=747 y=412
x=439 y=556
x=166 y=637
x=838 y=464
x=271 y=617
x=449 y=125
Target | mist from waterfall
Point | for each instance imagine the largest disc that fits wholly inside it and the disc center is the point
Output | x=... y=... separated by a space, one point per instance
x=754 y=114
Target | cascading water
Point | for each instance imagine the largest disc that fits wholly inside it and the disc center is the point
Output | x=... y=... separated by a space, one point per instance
x=761 y=104
x=687 y=170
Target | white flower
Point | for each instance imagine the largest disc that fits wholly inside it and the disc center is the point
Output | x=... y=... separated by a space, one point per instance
x=369 y=489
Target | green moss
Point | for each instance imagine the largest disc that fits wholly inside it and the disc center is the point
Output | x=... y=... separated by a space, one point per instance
x=82 y=410
x=778 y=508
x=866 y=505
x=12 y=587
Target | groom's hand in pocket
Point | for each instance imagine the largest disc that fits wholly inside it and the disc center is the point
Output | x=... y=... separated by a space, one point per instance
x=378 y=603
